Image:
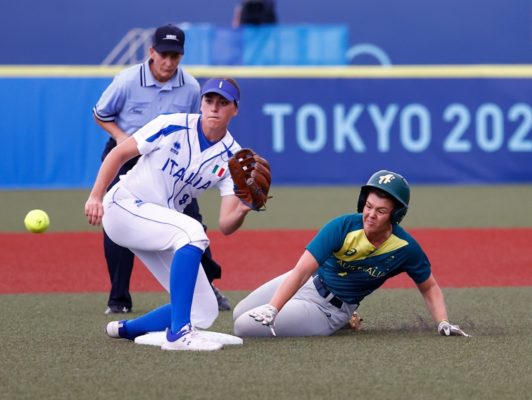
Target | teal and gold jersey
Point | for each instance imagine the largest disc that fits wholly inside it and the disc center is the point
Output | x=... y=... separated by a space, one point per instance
x=352 y=267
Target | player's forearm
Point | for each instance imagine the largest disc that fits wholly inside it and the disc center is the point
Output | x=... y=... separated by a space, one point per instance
x=304 y=268
x=433 y=297
x=435 y=303
x=94 y=205
x=111 y=165
x=108 y=170
x=232 y=214
x=233 y=219
x=288 y=288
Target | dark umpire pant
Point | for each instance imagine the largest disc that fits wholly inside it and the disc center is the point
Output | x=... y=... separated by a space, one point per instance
x=120 y=259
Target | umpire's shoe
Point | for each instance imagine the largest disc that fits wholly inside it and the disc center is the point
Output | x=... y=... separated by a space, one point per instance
x=117 y=310
x=223 y=302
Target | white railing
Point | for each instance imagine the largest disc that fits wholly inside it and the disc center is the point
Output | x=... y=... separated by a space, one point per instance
x=133 y=48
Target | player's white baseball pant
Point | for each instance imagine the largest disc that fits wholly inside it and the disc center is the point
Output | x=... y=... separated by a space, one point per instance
x=307 y=313
x=154 y=233
x=135 y=224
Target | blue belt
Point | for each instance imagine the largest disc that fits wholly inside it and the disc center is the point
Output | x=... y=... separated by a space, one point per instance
x=326 y=293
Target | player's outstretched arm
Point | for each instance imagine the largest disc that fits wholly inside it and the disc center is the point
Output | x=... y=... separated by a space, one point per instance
x=108 y=170
x=435 y=302
x=266 y=313
x=232 y=214
x=305 y=267
x=433 y=297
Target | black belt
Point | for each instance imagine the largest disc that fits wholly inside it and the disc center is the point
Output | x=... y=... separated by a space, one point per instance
x=326 y=293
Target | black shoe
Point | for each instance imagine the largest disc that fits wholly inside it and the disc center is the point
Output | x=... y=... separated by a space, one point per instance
x=223 y=302
x=117 y=310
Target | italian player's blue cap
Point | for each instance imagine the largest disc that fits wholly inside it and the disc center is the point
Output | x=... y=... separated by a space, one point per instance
x=222 y=87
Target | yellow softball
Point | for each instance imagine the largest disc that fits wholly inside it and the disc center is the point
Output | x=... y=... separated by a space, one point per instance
x=37 y=221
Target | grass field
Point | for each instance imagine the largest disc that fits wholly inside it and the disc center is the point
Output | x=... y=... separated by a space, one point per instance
x=306 y=207
x=53 y=346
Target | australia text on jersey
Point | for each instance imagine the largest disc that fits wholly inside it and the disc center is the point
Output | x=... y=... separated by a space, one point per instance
x=373 y=271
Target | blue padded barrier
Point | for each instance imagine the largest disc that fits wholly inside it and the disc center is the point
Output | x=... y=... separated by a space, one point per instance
x=337 y=130
x=267 y=45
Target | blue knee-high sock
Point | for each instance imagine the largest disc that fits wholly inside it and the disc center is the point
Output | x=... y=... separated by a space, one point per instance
x=156 y=320
x=183 y=275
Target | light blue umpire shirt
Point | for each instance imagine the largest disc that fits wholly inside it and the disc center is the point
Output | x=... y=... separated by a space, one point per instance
x=135 y=97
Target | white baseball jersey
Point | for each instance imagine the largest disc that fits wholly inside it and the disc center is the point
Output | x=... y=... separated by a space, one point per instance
x=143 y=211
x=176 y=164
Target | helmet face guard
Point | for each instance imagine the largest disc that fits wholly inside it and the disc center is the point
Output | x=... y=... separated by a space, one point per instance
x=393 y=184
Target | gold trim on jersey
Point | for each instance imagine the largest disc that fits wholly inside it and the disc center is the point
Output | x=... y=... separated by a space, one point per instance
x=356 y=246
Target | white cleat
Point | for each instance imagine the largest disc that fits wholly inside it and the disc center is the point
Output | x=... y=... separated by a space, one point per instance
x=113 y=329
x=188 y=340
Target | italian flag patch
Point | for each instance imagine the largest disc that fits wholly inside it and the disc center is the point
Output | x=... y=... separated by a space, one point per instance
x=218 y=171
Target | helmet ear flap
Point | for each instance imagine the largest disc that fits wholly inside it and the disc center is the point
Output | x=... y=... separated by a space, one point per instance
x=399 y=214
x=362 y=197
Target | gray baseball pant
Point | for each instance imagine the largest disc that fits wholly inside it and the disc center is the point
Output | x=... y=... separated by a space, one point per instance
x=307 y=313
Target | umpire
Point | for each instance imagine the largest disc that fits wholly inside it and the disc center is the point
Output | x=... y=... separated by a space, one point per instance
x=136 y=96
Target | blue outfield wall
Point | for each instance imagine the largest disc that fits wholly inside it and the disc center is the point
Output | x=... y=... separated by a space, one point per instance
x=314 y=130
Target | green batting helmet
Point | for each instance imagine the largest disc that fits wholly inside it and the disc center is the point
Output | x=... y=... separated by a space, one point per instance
x=393 y=184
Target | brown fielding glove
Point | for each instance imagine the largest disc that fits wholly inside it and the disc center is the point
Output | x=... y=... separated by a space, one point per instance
x=356 y=322
x=252 y=178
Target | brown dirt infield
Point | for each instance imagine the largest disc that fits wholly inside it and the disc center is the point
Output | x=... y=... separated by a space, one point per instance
x=73 y=262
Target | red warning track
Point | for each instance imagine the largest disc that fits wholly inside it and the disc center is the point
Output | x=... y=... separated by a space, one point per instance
x=73 y=262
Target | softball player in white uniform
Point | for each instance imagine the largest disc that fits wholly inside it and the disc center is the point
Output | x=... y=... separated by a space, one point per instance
x=182 y=156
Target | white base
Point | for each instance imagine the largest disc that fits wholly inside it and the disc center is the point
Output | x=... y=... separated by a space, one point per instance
x=158 y=338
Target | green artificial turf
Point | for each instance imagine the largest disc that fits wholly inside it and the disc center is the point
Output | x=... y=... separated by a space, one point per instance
x=305 y=207
x=53 y=347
